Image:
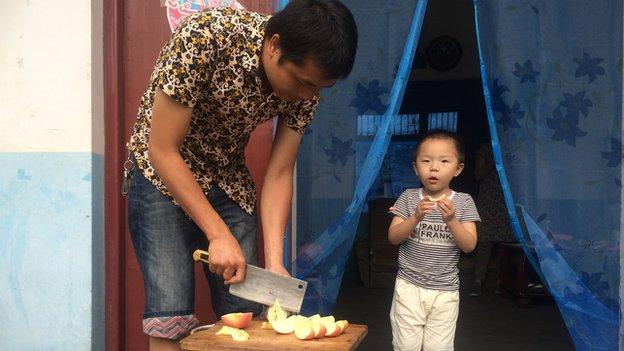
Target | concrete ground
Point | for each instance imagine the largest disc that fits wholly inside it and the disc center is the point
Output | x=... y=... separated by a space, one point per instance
x=488 y=322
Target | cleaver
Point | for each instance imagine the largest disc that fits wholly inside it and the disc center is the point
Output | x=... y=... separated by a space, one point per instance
x=263 y=286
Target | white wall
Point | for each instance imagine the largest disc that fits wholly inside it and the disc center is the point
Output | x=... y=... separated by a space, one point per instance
x=46 y=75
x=51 y=178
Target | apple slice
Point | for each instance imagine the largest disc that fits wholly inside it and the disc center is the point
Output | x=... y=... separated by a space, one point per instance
x=333 y=329
x=266 y=325
x=435 y=199
x=328 y=319
x=284 y=326
x=304 y=331
x=237 y=320
x=240 y=335
x=343 y=324
x=299 y=318
x=275 y=312
x=236 y=334
x=318 y=327
x=225 y=330
x=316 y=316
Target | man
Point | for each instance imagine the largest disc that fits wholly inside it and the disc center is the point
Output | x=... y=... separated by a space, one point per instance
x=221 y=74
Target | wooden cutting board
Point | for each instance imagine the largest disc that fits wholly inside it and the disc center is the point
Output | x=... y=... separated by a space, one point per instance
x=269 y=340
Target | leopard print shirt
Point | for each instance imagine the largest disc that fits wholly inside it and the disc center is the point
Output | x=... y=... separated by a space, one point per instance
x=211 y=64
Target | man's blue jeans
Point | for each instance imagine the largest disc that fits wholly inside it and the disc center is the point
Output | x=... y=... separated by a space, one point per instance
x=164 y=239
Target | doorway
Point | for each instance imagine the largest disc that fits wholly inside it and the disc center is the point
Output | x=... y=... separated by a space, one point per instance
x=445 y=91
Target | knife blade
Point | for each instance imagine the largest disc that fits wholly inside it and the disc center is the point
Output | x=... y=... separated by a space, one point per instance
x=263 y=286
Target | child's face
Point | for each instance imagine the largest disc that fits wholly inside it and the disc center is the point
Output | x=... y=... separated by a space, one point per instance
x=437 y=164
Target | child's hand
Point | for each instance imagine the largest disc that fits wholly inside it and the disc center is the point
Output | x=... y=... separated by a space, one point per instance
x=447 y=208
x=423 y=208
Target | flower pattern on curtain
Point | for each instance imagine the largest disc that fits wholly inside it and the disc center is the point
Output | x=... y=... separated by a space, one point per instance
x=553 y=77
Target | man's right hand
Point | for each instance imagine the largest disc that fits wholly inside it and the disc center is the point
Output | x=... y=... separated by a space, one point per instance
x=227 y=259
x=170 y=125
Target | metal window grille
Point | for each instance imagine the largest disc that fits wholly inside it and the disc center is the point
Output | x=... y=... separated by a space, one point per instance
x=403 y=124
x=443 y=120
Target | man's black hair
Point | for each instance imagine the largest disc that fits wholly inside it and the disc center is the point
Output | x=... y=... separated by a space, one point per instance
x=444 y=134
x=321 y=30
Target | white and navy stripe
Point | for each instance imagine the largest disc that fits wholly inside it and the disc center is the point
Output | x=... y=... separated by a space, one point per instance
x=428 y=258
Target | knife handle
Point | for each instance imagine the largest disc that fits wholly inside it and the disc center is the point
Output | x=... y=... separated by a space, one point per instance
x=201 y=255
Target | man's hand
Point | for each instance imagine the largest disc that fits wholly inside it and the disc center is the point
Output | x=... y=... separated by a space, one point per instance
x=447 y=208
x=280 y=269
x=227 y=259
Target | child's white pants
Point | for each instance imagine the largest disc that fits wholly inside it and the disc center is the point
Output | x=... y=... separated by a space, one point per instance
x=423 y=319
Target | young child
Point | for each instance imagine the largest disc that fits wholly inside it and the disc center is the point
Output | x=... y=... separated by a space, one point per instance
x=431 y=225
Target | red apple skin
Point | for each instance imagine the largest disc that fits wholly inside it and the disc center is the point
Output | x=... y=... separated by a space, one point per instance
x=304 y=331
x=337 y=330
x=237 y=320
x=319 y=329
x=344 y=324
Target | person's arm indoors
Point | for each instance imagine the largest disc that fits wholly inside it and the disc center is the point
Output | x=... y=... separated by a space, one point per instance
x=170 y=123
x=401 y=228
x=464 y=233
x=277 y=191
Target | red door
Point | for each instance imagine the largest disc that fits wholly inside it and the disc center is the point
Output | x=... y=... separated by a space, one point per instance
x=134 y=32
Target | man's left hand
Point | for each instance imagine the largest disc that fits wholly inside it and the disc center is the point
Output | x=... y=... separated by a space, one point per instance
x=280 y=269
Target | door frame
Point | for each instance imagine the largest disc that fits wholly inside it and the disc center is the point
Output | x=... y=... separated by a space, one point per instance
x=114 y=207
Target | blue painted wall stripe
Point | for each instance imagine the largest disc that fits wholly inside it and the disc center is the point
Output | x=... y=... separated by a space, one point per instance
x=51 y=251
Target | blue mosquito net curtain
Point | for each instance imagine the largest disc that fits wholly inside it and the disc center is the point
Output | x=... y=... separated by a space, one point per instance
x=552 y=75
x=552 y=78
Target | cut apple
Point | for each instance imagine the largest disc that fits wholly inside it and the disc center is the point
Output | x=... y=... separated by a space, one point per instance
x=237 y=320
x=225 y=330
x=333 y=329
x=284 y=326
x=435 y=199
x=275 y=312
x=236 y=334
x=304 y=331
x=316 y=316
x=318 y=327
x=299 y=318
x=343 y=324
x=266 y=325
x=328 y=320
x=240 y=335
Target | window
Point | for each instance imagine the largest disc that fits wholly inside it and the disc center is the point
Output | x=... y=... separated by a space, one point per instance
x=443 y=120
x=396 y=173
x=403 y=124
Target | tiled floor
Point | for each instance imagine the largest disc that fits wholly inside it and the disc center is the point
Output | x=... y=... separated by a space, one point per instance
x=488 y=322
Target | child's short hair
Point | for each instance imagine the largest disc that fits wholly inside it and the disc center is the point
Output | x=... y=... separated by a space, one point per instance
x=444 y=134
